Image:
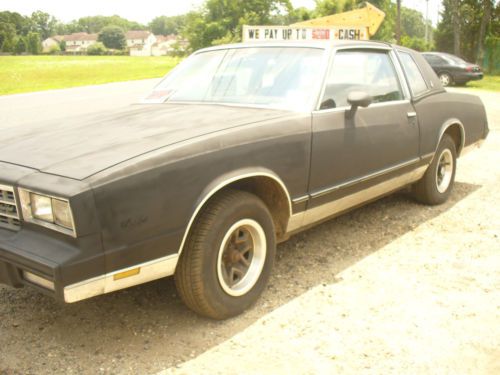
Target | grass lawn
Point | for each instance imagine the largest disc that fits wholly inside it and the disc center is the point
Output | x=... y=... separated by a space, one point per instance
x=36 y=73
x=491 y=83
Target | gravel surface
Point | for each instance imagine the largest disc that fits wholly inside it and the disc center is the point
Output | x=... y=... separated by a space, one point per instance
x=392 y=287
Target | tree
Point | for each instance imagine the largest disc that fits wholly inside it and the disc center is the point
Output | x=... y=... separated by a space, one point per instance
x=329 y=7
x=7 y=36
x=472 y=17
x=21 y=24
x=164 y=25
x=113 y=37
x=9 y=45
x=221 y=21
x=20 y=46
x=485 y=21
x=43 y=24
x=455 y=20
x=33 y=44
x=412 y=23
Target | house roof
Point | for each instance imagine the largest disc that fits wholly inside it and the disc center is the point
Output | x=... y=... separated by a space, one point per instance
x=165 y=38
x=137 y=34
x=79 y=37
x=168 y=39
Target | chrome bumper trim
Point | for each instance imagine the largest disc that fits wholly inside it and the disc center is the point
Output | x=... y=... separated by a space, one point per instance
x=149 y=271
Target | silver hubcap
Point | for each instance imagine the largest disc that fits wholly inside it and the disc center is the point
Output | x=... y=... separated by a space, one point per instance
x=444 y=171
x=445 y=79
x=241 y=258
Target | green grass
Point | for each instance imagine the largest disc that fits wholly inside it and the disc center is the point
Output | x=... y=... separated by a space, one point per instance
x=36 y=73
x=491 y=83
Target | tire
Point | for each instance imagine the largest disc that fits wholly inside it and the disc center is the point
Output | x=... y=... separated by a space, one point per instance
x=446 y=79
x=228 y=256
x=437 y=183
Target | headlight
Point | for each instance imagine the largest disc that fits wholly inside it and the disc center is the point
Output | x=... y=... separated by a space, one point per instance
x=41 y=207
x=51 y=212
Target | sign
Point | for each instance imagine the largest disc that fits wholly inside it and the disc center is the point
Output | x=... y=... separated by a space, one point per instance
x=280 y=33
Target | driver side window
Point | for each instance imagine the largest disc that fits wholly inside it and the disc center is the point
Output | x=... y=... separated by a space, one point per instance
x=368 y=71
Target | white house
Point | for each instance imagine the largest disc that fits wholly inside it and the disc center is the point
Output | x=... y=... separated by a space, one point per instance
x=140 y=42
x=79 y=42
x=165 y=45
x=52 y=41
x=76 y=42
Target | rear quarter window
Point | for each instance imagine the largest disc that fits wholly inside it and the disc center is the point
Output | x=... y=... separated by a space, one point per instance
x=415 y=79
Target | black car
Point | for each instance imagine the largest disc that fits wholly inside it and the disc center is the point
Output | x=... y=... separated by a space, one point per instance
x=237 y=149
x=452 y=69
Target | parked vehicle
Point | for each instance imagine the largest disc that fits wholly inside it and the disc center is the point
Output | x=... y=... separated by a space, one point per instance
x=452 y=69
x=237 y=149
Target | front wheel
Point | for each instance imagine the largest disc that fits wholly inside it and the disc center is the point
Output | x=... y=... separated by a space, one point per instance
x=437 y=183
x=228 y=256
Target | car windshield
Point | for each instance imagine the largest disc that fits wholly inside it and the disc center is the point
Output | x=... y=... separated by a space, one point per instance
x=275 y=77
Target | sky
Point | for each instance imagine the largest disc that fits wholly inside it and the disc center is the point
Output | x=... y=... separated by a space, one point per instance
x=144 y=11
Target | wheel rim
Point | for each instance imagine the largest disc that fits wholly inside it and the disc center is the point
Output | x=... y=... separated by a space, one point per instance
x=241 y=257
x=444 y=171
x=445 y=79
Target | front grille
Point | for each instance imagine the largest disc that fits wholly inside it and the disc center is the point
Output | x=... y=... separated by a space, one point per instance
x=9 y=214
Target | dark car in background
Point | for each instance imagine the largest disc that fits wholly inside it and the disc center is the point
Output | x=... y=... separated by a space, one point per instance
x=452 y=69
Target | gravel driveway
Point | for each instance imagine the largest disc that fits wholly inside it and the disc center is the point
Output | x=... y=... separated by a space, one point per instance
x=394 y=287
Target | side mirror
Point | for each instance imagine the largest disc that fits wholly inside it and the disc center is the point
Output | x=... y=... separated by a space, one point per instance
x=357 y=99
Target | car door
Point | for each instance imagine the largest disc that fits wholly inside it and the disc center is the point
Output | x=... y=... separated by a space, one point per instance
x=378 y=142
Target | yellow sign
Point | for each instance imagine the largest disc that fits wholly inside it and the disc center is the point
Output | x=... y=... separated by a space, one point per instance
x=369 y=17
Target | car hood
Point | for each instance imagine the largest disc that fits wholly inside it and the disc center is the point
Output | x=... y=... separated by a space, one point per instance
x=82 y=146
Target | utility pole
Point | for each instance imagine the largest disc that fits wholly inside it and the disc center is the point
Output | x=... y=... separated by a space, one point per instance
x=398 y=21
x=427 y=22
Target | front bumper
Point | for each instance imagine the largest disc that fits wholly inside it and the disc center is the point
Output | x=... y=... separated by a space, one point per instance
x=41 y=257
x=49 y=262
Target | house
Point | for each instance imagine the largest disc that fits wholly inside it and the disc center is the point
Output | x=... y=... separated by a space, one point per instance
x=166 y=45
x=140 y=42
x=79 y=42
x=76 y=42
x=52 y=41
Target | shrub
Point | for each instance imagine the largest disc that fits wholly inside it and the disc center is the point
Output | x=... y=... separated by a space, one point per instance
x=96 y=49
x=54 y=49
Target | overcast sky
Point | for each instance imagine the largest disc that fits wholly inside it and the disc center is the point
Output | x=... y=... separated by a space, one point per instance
x=145 y=10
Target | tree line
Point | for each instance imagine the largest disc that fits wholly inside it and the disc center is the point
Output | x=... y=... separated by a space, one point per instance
x=467 y=27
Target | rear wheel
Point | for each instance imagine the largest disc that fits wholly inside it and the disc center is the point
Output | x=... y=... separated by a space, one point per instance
x=228 y=256
x=437 y=183
x=445 y=79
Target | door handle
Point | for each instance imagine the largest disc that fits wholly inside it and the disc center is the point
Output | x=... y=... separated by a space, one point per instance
x=411 y=114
